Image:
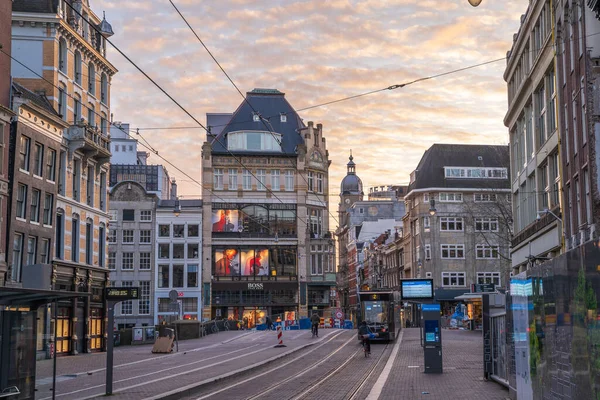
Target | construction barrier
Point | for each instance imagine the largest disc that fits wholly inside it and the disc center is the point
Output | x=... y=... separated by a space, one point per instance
x=280 y=336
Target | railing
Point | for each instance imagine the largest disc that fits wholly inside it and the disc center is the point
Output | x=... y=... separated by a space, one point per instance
x=535 y=226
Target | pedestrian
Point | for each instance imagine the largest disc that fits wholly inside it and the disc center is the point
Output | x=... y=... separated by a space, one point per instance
x=269 y=323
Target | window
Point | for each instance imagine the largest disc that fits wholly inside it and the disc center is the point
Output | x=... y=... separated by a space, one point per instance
x=319 y=183
x=233 y=179
x=75 y=239
x=91 y=79
x=316 y=264
x=246 y=180
x=62 y=55
x=163 y=276
x=127 y=305
x=145 y=261
x=76 y=178
x=60 y=236
x=62 y=173
x=76 y=109
x=34 y=214
x=427 y=252
x=261 y=176
x=103 y=191
x=51 y=165
x=2 y=145
x=77 y=67
x=453 y=279
x=426 y=198
x=112 y=235
x=89 y=243
x=316 y=222
x=104 y=88
x=146 y=216
x=178 y=231
x=128 y=215
x=192 y=231
x=45 y=251
x=218 y=179
x=103 y=125
x=450 y=197
x=310 y=181
x=62 y=102
x=453 y=251
x=475 y=173
x=178 y=251
x=488 y=277
x=38 y=155
x=127 y=264
x=289 y=181
x=164 y=230
x=254 y=141
x=486 y=251
x=144 y=303
x=426 y=223
x=113 y=215
x=192 y=275
x=127 y=236
x=192 y=250
x=484 y=197
x=275 y=174
x=588 y=196
x=91 y=115
x=145 y=236
x=17 y=258
x=21 y=198
x=90 y=186
x=31 y=250
x=486 y=224
x=112 y=260
x=178 y=276
x=164 y=250
x=101 y=244
x=282 y=117
x=24 y=148
x=451 y=224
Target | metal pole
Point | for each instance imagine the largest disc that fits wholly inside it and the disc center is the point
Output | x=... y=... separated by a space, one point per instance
x=55 y=350
x=110 y=347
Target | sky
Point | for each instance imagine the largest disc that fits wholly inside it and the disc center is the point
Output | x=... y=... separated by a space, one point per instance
x=317 y=51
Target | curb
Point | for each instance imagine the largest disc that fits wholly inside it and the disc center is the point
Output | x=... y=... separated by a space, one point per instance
x=190 y=389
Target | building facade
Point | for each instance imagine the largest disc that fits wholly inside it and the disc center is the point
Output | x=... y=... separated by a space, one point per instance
x=68 y=48
x=459 y=217
x=267 y=247
x=178 y=257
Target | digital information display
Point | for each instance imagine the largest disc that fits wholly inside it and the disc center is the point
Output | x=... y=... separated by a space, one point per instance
x=122 y=293
x=413 y=289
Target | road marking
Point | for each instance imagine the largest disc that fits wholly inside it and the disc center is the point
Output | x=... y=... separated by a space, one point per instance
x=162 y=371
x=378 y=386
x=414 y=366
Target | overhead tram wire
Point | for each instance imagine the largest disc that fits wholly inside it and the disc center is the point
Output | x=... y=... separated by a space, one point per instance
x=265 y=122
x=178 y=104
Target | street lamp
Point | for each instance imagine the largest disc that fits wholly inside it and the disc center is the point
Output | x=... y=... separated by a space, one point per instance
x=474 y=3
x=177 y=210
x=432 y=209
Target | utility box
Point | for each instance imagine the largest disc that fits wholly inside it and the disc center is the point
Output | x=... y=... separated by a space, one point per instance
x=432 y=338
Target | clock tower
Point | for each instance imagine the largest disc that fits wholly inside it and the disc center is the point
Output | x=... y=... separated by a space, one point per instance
x=351 y=189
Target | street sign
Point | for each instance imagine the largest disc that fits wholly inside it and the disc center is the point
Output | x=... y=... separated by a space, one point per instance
x=339 y=314
x=483 y=287
x=122 y=293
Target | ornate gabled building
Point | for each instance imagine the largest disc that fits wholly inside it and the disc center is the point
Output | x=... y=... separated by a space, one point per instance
x=64 y=41
x=267 y=249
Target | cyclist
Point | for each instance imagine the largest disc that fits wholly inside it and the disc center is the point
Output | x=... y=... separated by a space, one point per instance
x=363 y=331
x=316 y=320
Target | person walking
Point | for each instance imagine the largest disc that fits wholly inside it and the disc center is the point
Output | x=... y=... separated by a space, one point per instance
x=316 y=320
x=269 y=323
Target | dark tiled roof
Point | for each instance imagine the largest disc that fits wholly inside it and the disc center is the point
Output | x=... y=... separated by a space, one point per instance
x=37 y=99
x=36 y=6
x=269 y=103
x=430 y=172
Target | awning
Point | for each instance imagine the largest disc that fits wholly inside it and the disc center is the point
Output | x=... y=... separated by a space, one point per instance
x=10 y=296
x=448 y=294
x=469 y=297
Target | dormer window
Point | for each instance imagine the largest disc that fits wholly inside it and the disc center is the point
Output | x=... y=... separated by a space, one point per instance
x=254 y=141
x=256 y=117
x=283 y=117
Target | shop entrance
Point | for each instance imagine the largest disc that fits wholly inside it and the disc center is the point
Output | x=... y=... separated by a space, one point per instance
x=252 y=317
x=63 y=330
x=95 y=329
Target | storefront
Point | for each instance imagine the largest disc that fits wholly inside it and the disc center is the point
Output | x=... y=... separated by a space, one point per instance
x=473 y=310
x=252 y=301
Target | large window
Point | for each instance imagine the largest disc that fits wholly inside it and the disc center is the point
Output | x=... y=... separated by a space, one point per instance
x=261 y=177
x=91 y=79
x=178 y=231
x=89 y=243
x=164 y=230
x=24 y=149
x=218 y=179
x=145 y=261
x=77 y=67
x=311 y=180
x=177 y=276
x=236 y=261
x=486 y=251
x=75 y=238
x=17 y=258
x=178 y=249
x=453 y=279
x=192 y=230
x=127 y=263
x=21 y=198
x=192 y=275
x=163 y=276
x=127 y=236
x=486 y=224
x=319 y=183
x=263 y=220
x=144 y=304
x=62 y=55
x=38 y=159
x=488 y=277
x=275 y=183
x=450 y=197
x=31 y=250
x=104 y=88
x=289 y=181
x=450 y=251
x=233 y=179
x=45 y=251
x=451 y=224
x=254 y=141
x=246 y=180
x=51 y=165
x=34 y=214
x=475 y=173
x=164 y=250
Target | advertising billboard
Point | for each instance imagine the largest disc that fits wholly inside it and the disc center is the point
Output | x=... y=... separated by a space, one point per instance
x=255 y=262
x=227 y=262
x=225 y=221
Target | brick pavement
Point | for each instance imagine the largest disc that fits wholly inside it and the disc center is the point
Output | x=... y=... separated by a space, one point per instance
x=462 y=364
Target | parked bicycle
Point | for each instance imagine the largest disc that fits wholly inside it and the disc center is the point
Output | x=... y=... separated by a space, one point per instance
x=215 y=327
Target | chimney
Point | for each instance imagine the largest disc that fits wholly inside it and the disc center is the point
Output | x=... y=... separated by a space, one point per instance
x=173 y=189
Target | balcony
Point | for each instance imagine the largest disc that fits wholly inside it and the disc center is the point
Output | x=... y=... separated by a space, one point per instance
x=90 y=141
x=535 y=227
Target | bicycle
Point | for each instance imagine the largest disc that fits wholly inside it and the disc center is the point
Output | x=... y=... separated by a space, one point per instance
x=226 y=325
x=215 y=327
x=366 y=345
x=315 y=330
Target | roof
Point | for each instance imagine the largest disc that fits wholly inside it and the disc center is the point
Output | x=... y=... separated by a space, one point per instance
x=270 y=104
x=24 y=297
x=36 y=6
x=39 y=100
x=371 y=230
x=430 y=171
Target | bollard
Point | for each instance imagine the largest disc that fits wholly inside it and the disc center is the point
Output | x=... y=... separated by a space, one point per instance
x=280 y=337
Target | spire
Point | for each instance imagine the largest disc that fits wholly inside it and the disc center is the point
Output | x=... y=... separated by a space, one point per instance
x=351 y=165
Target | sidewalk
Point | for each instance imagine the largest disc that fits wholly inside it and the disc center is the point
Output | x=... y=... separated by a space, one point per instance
x=462 y=365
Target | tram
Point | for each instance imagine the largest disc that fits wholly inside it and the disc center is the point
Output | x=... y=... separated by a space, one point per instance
x=381 y=310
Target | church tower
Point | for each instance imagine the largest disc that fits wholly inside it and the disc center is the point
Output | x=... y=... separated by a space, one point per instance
x=351 y=189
